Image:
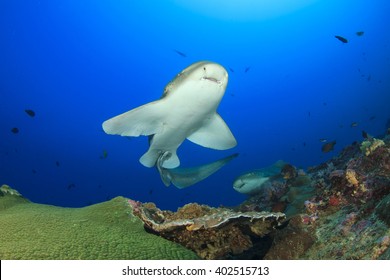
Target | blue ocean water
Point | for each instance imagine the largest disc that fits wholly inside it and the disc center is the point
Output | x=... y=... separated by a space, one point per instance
x=79 y=63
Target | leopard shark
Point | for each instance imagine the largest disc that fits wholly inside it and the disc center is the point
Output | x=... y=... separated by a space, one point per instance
x=186 y=110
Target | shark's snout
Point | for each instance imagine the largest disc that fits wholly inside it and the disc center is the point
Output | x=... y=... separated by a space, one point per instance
x=238 y=184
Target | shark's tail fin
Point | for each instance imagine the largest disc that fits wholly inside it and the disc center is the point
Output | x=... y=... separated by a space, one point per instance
x=185 y=177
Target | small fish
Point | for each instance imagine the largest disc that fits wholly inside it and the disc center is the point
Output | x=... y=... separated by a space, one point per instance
x=180 y=53
x=231 y=69
x=323 y=140
x=71 y=186
x=247 y=69
x=29 y=112
x=34 y=171
x=360 y=33
x=104 y=155
x=15 y=130
x=304 y=144
x=342 y=39
x=369 y=78
x=57 y=163
x=354 y=124
x=365 y=134
x=328 y=147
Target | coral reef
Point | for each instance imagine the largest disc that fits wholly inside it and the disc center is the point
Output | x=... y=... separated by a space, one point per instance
x=284 y=192
x=291 y=242
x=213 y=233
x=106 y=230
x=337 y=210
x=348 y=214
x=370 y=145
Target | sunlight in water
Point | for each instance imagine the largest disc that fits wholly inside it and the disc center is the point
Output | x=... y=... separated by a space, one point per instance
x=244 y=9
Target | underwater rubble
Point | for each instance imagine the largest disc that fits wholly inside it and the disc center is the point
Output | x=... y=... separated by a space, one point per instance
x=339 y=209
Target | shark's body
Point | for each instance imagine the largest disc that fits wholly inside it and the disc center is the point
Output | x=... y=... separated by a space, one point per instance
x=187 y=110
x=185 y=177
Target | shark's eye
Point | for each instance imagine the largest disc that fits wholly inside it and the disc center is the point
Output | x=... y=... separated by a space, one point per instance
x=204 y=68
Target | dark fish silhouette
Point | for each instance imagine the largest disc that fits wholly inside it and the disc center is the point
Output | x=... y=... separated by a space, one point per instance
x=34 y=171
x=247 y=69
x=354 y=124
x=328 y=147
x=29 y=112
x=57 y=163
x=342 y=39
x=180 y=53
x=360 y=33
x=365 y=134
x=71 y=186
x=15 y=130
x=104 y=155
x=231 y=69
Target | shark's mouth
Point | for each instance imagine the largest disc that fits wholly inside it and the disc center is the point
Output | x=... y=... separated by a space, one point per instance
x=211 y=79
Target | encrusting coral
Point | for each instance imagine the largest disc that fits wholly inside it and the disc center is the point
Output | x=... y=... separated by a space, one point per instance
x=345 y=215
x=213 y=233
x=370 y=145
x=106 y=230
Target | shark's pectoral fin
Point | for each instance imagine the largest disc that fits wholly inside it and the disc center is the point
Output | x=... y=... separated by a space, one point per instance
x=214 y=134
x=144 y=120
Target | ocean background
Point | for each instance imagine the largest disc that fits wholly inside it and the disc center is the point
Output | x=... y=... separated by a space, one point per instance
x=78 y=63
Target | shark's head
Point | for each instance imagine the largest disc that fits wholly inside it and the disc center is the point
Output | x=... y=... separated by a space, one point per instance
x=250 y=183
x=207 y=71
x=203 y=74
